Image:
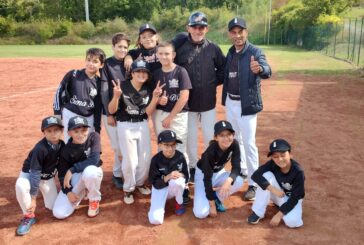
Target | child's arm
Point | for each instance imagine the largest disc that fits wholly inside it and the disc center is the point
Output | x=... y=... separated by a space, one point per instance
x=128 y=60
x=98 y=108
x=181 y=102
x=117 y=92
x=207 y=170
x=61 y=94
x=155 y=97
x=155 y=176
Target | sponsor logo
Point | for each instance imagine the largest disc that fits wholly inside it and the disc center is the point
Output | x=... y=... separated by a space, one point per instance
x=173 y=83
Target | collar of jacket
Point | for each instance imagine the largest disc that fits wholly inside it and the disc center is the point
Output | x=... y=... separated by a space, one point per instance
x=246 y=46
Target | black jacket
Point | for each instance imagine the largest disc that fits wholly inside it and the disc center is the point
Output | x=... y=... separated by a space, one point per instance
x=204 y=63
x=250 y=94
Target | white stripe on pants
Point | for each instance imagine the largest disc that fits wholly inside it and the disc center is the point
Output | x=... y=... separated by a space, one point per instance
x=90 y=180
x=178 y=125
x=201 y=206
x=22 y=188
x=245 y=128
x=112 y=133
x=66 y=116
x=174 y=189
x=207 y=120
x=134 y=141
x=262 y=198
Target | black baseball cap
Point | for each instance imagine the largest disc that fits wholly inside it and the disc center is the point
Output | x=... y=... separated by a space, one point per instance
x=223 y=125
x=279 y=145
x=51 y=121
x=168 y=136
x=139 y=65
x=146 y=27
x=197 y=19
x=237 y=22
x=77 y=122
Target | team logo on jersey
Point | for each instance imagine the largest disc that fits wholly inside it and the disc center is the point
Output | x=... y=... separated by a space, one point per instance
x=88 y=151
x=173 y=97
x=286 y=186
x=93 y=92
x=179 y=166
x=51 y=120
x=173 y=83
x=145 y=100
x=162 y=169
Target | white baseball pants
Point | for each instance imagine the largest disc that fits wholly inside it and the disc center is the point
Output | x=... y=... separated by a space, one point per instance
x=112 y=133
x=207 y=120
x=134 y=143
x=66 y=116
x=262 y=198
x=201 y=206
x=174 y=189
x=178 y=125
x=88 y=181
x=22 y=188
x=245 y=128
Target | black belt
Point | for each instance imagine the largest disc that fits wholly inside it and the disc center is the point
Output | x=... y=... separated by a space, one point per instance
x=133 y=120
x=234 y=97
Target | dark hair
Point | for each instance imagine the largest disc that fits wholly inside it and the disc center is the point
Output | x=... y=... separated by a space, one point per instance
x=97 y=52
x=166 y=44
x=119 y=37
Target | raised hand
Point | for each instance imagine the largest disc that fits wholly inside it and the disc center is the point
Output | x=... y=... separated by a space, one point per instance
x=158 y=90
x=163 y=100
x=117 y=92
x=254 y=65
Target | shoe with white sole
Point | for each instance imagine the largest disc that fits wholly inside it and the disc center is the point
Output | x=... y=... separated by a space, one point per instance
x=144 y=190
x=93 y=208
x=128 y=198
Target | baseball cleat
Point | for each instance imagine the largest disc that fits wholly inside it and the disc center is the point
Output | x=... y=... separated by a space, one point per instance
x=128 y=198
x=144 y=190
x=250 y=193
x=93 y=208
x=25 y=225
x=179 y=209
x=219 y=205
x=253 y=219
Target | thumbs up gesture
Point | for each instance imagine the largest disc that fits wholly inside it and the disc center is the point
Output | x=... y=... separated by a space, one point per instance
x=163 y=99
x=254 y=66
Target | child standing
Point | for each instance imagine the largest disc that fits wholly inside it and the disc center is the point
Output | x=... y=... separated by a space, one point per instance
x=114 y=70
x=146 y=48
x=133 y=102
x=281 y=180
x=38 y=173
x=169 y=175
x=79 y=92
x=172 y=110
x=79 y=170
x=213 y=184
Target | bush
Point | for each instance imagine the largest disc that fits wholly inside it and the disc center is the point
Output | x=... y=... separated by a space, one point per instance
x=110 y=27
x=38 y=31
x=6 y=26
x=85 y=30
x=63 y=28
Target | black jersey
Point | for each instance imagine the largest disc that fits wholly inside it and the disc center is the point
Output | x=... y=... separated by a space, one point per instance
x=76 y=157
x=161 y=166
x=149 y=55
x=214 y=159
x=41 y=163
x=113 y=70
x=292 y=182
x=132 y=103
x=175 y=81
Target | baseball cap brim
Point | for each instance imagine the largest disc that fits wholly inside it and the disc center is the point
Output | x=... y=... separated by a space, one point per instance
x=223 y=129
x=237 y=25
x=140 y=69
x=171 y=140
x=282 y=149
x=52 y=124
x=79 y=126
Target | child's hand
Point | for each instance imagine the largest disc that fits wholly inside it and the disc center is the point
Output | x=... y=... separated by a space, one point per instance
x=72 y=197
x=111 y=121
x=163 y=100
x=276 y=219
x=166 y=123
x=277 y=192
x=33 y=205
x=224 y=190
x=175 y=174
x=158 y=90
x=67 y=179
x=128 y=60
x=213 y=212
x=117 y=92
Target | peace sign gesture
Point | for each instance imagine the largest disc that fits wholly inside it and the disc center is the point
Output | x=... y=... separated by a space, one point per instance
x=116 y=88
x=157 y=92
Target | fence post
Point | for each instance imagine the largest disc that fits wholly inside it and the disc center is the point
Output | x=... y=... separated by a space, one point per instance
x=354 y=42
x=347 y=57
x=361 y=35
x=335 y=40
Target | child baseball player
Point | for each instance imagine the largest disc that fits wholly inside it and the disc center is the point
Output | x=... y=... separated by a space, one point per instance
x=281 y=180
x=79 y=170
x=172 y=110
x=169 y=176
x=114 y=70
x=38 y=172
x=146 y=48
x=213 y=184
x=133 y=102
x=79 y=92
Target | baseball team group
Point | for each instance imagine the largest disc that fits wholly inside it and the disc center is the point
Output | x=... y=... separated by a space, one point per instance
x=173 y=84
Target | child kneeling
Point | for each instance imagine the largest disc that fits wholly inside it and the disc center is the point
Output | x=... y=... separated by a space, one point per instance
x=281 y=180
x=169 y=175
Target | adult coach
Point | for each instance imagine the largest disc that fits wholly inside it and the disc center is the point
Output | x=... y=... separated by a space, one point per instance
x=245 y=66
x=204 y=62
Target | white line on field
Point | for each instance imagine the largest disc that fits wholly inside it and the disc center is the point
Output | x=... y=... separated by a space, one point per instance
x=26 y=93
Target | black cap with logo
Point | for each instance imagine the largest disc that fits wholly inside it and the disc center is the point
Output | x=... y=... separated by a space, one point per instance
x=77 y=122
x=197 y=19
x=223 y=125
x=237 y=22
x=140 y=65
x=51 y=121
x=279 y=145
x=147 y=27
x=168 y=136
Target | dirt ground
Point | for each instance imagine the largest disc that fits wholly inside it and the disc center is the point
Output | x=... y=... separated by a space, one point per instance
x=321 y=116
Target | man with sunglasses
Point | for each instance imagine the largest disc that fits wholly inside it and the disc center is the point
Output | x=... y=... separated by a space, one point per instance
x=204 y=62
